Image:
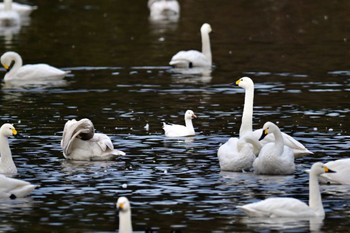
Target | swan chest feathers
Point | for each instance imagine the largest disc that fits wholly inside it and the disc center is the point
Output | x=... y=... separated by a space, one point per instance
x=190 y=59
x=35 y=72
x=278 y=207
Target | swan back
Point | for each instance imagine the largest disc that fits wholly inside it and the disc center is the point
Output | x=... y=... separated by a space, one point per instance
x=123 y=206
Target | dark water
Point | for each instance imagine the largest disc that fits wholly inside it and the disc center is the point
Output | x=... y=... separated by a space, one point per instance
x=297 y=53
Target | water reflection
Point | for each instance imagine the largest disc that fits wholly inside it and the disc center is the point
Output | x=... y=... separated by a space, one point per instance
x=34 y=84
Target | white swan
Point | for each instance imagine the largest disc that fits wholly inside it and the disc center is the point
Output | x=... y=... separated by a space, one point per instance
x=80 y=142
x=291 y=207
x=193 y=58
x=9 y=17
x=7 y=166
x=247 y=121
x=12 y=62
x=22 y=9
x=274 y=158
x=341 y=175
x=123 y=206
x=13 y=188
x=163 y=7
x=173 y=130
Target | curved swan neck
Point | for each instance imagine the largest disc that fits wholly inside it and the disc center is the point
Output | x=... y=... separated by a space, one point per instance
x=125 y=222
x=17 y=62
x=247 y=117
x=279 y=143
x=315 y=200
x=206 y=50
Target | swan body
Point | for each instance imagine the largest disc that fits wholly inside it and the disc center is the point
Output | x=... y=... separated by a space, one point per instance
x=123 y=206
x=193 y=58
x=291 y=207
x=247 y=84
x=274 y=158
x=173 y=130
x=164 y=7
x=13 y=188
x=341 y=175
x=80 y=142
x=12 y=62
x=8 y=16
x=7 y=166
x=21 y=9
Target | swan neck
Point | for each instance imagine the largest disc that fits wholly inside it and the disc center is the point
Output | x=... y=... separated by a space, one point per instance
x=315 y=199
x=7 y=5
x=125 y=222
x=6 y=155
x=17 y=63
x=247 y=117
x=206 y=50
x=189 y=124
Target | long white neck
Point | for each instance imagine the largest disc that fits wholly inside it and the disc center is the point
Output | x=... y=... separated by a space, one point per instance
x=315 y=200
x=6 y=162
x=125 y=222
x=279 y=143
x=189 y=124
x=247 y=117
x=7 y=5
x=206 y=46
x=18 y=64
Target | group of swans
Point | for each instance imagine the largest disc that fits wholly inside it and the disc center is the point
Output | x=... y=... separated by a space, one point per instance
x=11 y=13
x=275 y=151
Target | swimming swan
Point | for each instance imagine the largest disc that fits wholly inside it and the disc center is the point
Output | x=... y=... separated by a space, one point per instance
x=12 y=62
x=275 y=158
x=341 y=175
x=193 y=58
x=163 y=7
x=291 y=207
x=80 y=142
x=7 y=166
x=22 y=9
x=173 y=130
x=247 y=121
x=123 y=206
x=9 y=17
x=13 y=188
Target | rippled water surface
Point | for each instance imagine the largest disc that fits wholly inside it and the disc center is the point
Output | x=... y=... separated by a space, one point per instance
x=297 y=53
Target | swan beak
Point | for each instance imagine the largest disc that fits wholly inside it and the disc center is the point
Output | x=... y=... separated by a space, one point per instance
x=6 y=67
x=237 y=82
x=120 y=206
x=327 y=170
x=264 y=133
x=194 y=116
x=14 y=132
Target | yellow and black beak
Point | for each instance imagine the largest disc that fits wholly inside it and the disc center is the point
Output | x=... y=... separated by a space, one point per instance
x=8 y=67
x=120 y=206
x=14 y=132
x=327 y=170
x=237 y=82
x=264 y=133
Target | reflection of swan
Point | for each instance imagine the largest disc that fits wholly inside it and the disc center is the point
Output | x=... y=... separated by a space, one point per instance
x=12 y=62
x=7 y=165
x=80 y=142
x=172 y=130
x=163 y=9
x=9 y=17
x=247 y=120
x=342 y=169
x=22 y=9
x=123 y=206
x=274 y=158
x=291 y=207
x=13 y=188
x=27 y=84
x=193 y=58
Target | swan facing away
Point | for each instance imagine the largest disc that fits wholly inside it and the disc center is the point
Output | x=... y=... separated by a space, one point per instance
x=173 y=130
x=291 y=207
x=22 y=9
x=163 y=7
x=80 y=142
x=13 y=188
x=12 y=62
x=123 y=206
x=274 y=158
x=8 y=16
x=193 y=58
x=247 y=84
x=341 y=175
x=7 y=166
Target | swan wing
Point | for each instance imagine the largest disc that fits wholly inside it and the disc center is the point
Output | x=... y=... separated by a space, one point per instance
x=189 y=59
x=38 y=71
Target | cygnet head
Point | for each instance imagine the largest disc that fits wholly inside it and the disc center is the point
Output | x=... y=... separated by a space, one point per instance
x=8 y=130
x=206 y=28
x=123 y=204
x=189 y=114
x=319 y=168
x=245 y=82
x=269 y=127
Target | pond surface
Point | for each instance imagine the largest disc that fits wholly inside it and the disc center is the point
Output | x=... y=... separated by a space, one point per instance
x=297 y=53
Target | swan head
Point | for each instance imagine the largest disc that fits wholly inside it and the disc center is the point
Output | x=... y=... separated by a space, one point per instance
x=245 y=82
x=189 y=114
x=8 y=60
x=123 y=204
x=206 y=28
x=8 y=130
x=269 y=127
x=319 y=168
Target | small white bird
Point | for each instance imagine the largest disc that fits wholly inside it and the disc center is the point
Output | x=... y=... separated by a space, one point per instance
x=12 y=62
x=163 y=7
x=291 y=207
x=8 y=16
x=22 y=9
x=173 y=130
x=123 y=206
x=341 y=175
x=7 y=166
x=274 y=157
x=80 y=142
x=14 y=188
x=194 y=58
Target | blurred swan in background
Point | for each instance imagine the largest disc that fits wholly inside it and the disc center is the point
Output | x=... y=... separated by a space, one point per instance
x=164 y=9
x=22 y=9
x=8 y=16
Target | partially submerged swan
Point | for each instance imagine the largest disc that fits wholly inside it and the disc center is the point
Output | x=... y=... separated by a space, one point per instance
x=7 y=166
x=173 y=130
